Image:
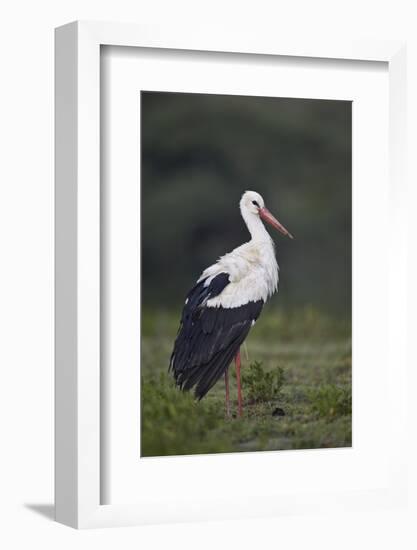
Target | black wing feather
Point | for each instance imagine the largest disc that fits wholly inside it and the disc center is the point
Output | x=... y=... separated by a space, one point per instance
x=209 y=337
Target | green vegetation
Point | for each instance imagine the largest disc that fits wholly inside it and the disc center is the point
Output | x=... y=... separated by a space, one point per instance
x=296 y=389
x=173 y=423
x=330 y=400
x=262 y=386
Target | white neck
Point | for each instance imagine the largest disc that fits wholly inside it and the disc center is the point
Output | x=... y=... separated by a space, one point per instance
x=255 y=226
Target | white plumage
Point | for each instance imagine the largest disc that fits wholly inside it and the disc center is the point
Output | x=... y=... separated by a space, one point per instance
x=252 y=267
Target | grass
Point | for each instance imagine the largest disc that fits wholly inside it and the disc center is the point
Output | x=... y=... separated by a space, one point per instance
x=296 y=387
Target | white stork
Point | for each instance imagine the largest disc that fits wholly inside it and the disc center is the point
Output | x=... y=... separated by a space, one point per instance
x=224 y=304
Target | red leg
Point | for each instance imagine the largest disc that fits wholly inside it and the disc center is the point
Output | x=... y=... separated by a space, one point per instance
x=239 y=387
x=226 y=383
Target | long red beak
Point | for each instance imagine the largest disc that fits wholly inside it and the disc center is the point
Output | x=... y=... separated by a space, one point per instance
x=269 y=218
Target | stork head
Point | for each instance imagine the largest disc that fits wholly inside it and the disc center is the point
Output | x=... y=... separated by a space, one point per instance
x=253 y=204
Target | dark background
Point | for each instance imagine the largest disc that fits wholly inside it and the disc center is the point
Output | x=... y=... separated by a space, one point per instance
x=201 y=152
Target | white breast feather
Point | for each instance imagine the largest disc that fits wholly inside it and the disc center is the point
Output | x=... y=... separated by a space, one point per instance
x=253 y=273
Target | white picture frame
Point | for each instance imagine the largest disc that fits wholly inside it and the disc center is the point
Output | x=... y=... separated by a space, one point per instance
x=78 y=501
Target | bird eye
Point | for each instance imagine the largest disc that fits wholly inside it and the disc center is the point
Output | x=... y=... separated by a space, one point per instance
x=255 y=203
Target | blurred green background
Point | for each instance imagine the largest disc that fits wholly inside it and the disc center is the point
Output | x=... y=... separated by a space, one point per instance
x=199 y=153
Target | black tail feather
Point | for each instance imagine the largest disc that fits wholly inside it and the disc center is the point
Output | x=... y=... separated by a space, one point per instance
x=209 y=337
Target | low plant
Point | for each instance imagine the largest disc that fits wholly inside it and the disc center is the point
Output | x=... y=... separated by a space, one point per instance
x=173 y=423
x=262 y=385
x=330 y=400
